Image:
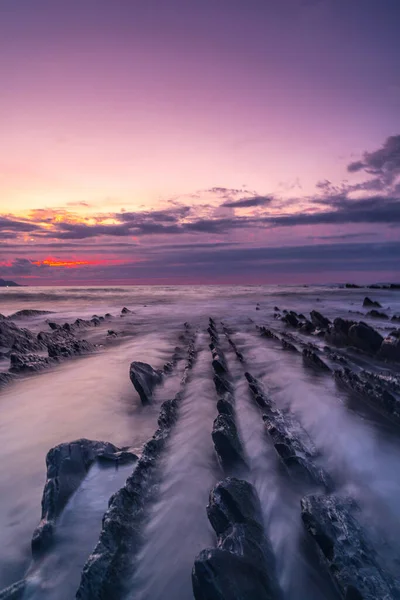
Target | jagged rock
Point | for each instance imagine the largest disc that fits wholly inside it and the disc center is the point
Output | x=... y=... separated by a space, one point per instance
x=373 y=393
x=314 y=360
x=365 y=338
x=144 y=379
x=111 y=333
x=67 y=465
x=395 y=318
x=352 y=286
x=53 y=325
x=14 y=591
x=5 y=378
x=125 y=311
x=69 y=348
x=276 y=308
x=105 y=573
x=307 y=327
x=390 y=348
x=291 y=319
x=18 y=339
x=375 y=314
x=242 y=566
x=28 y=363
x=108 y=315
x=268 y=333
x=338 y=334
x=319 y=320
x=368 y=302
x=345 y=549
x=227 y=443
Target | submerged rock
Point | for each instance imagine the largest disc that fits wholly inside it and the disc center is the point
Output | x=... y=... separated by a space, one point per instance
x=242 y=566
x=368 y=302
x=125 y=311
x=144 y=379
x=67 y=465
x=344 y=548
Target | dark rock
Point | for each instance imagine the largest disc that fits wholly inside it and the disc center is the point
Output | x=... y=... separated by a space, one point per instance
x=307 y=327
x=390 y=348
x=227 y=443
x=18 y=339
x=338 y=334
x=67 y=465
x=368 y=302
x=144 y=379
x=394 y=286
x=395 y=318
x=351 y=286
x=365 y=338
x=314 y=360
x=5 y=378
x=291 y=319
x=125 y=311
x=242 y=566
x=5 y=283
x=268 y=333
x=53 y=325
x=69 y=348
x=319 y=320
x=276 y=309
x=108 y=315
x=112 y=333
x=372 y=392
x=28 y=363
x=108 y=568
x=375 y=314
x=345 y=549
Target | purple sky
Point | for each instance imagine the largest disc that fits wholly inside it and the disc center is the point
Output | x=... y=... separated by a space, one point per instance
x=176 y=141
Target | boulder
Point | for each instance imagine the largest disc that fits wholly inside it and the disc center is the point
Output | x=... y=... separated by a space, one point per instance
x=144 y=379
x=242 y=566
x=338 y=334
x=312 y=359
x=227 y=444
x=368 y=302
x=291 y=319
x=125 y=311
x=18 y=339
x=345 y=549
x=319 y=320
x=67 y=465
x=365 y=338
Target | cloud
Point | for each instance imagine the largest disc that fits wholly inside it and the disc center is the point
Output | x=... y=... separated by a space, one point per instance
x=384 y=163
x=249 y=202
x=20 y=266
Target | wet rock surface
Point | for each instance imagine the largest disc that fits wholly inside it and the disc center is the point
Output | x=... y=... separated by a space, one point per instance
x=371 y=303
x=345 y=549
x=242 y=566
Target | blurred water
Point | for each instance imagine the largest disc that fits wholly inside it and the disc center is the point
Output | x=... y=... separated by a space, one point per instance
x=93 y=397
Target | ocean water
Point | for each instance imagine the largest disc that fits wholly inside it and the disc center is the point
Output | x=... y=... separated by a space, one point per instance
x=93 y=397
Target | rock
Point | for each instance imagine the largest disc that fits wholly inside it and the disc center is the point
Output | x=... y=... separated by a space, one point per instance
x=227 y=444
x=345 y=549
x=268 y=333
x=368 y=302
x=314 y=360
x=111 y=333
x=53 y=325
x=144 y=379
x=18 y=339
x=291 y=319
x=372 y=392
x=108 y=315
x=351 y=286
x=276 y=309
x=319 y=320
x=67 y=465
x=338 y=334
x=390 y=348
x=375 y=314
x=69 y=348
x=28 y=312
x=242 y=566
x=28 y=363
x=365 y=338
x=395 y=318
x=109 y=567
x=307 y=327
x=394 y=286
x=5 y=378
x=125 y=311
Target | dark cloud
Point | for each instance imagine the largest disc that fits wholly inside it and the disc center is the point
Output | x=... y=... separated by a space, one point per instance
x=249 y=202
x=9 y=224
x=21 y=266
x=384 y=163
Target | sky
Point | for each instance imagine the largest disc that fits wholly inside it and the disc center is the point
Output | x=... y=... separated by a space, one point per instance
x=212 y=141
